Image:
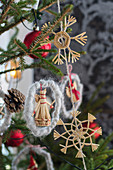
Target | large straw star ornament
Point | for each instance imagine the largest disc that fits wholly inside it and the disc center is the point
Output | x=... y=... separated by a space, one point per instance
x=62 y=41
x=77 y=133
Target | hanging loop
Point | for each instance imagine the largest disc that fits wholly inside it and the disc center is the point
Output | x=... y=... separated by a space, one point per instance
x=70 y=68
x=37 y=16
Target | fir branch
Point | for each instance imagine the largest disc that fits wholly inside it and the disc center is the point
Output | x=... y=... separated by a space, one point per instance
x=101 y=157
x=47 y=6
x=22 y=46
x=23 y=4
x=48 y=66
x=6 y=11
x=10 y=55
x=26 y=16
x=22 y=63
x=12 y=48
x=3 y=2
x=110 y=165
x=1 y=49
x=15 y=9
x=12 y=39
x=51 y=12
x=108 y=152
x=7 y=53
x=91 y=162
x=10 y=26
x=10 y=58
x=21 y=127
x=18 y=120
x=106 y=141
x=17 y=21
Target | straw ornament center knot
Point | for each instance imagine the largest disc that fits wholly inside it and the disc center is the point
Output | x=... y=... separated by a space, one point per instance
x=62 y=40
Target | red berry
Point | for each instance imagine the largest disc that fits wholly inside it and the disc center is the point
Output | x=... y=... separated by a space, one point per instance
x=15 y=134
x=30 y=37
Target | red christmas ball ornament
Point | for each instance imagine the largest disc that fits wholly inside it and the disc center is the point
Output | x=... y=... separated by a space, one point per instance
x=96 y=134
x=30 y=37
x=93 y=126
x=14 y=135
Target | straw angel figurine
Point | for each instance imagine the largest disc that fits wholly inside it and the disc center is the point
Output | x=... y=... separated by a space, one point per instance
x=41 y=112
x=75 y=92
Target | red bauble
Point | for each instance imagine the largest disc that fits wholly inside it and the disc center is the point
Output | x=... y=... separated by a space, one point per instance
x=33 y=165
x=16 y=134
x=93 y=126
x=30 y=37
x=96 y=134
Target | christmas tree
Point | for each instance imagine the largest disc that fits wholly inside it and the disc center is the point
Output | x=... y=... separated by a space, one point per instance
x=53 y=112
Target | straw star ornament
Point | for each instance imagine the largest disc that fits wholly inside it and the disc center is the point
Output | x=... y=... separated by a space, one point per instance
x=77 y=133
x=62 y=41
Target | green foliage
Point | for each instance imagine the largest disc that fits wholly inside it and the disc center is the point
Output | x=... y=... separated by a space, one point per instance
x=16 y=123
x=16 y=48
x=22 y=63
x=93 y=159
x=11 y=44
x=14 y=11
x=94 y=105
x=47 y=3
x=105 y=143
x=110 y=165
x=19 y=50
x=22 y=46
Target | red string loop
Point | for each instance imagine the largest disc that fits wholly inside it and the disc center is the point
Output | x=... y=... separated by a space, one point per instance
x=40 y=86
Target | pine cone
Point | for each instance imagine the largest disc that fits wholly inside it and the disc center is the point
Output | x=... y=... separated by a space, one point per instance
x=14 y=101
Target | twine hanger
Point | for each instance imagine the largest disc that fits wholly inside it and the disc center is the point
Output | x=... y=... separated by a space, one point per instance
x=36 y=18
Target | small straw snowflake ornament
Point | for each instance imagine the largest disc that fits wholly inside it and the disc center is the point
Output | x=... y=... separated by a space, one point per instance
x=77 y=90
x=77 y=133
x=6 y=117
x=38 y=150
x=62 y=41
x=37 y=117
